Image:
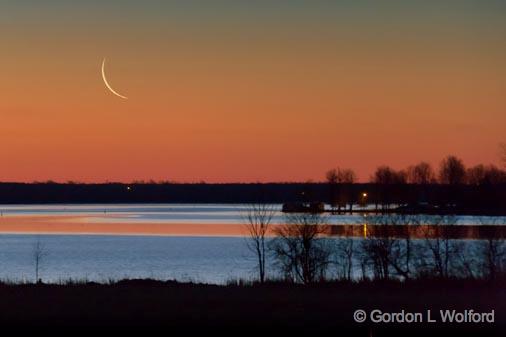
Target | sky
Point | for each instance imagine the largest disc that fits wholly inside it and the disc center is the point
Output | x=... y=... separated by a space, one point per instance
x=247 y=91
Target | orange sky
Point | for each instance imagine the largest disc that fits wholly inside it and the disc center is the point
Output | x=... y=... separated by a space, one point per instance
x=246 y=94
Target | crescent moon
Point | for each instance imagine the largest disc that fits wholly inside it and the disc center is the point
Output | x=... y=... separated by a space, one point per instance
x=107 y=83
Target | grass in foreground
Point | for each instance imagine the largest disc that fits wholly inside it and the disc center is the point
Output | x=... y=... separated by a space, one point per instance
x=172 y=306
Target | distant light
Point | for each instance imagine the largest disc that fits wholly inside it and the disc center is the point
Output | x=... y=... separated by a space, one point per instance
x=364 y=195
x=129 y=188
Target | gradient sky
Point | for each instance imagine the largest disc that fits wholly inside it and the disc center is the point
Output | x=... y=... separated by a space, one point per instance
x=247 y=90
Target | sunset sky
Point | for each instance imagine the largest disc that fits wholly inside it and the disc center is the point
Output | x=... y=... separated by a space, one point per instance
x=228 y=91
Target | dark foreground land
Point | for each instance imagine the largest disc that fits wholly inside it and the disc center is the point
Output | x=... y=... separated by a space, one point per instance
x=144 y=306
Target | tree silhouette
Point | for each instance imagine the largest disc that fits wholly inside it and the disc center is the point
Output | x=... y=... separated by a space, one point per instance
x=331 y=176
x=492 y=250
x=299 y=248
x=485 y=175
x=340 y=191
x=385 y=177
x=421 y=174
x=258 y=219
x=39 y=253
x=452 y=171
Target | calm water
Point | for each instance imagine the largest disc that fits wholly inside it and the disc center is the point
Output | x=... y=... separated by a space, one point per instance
x=102 y=258
x=168 y=213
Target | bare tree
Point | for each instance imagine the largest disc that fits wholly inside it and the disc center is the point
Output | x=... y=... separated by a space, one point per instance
x=492 y=250
x=494 y=175
x=345 y=251
x=258 y=219
x=405 y=251
x=300 y=248
x=452 y=171
x=485 y=175
x=388 y=246
x=346 y=176
x=464 y=261
x=421 y=174
x=384 y=177
x=476 y=175
x=340 y=193
x=377 y=251
x=377 y=247
x=331 y=177
x=438 y=243
x=39 y=253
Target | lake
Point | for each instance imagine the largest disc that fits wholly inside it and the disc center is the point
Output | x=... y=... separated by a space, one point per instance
x=102 y=258
x=165 y=213
x=201 y=243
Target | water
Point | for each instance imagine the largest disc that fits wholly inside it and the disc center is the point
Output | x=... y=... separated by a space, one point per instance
x=174 y=213
x=111 y=257
x=103 y=258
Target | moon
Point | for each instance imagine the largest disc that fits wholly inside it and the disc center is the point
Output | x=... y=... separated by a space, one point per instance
x=107 y=83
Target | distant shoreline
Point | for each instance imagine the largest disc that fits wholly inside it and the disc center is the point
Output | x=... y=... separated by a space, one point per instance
x=444 y=199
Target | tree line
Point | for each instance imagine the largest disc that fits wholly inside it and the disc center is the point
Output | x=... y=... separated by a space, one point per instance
x=451 y=171
x=452 y=185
